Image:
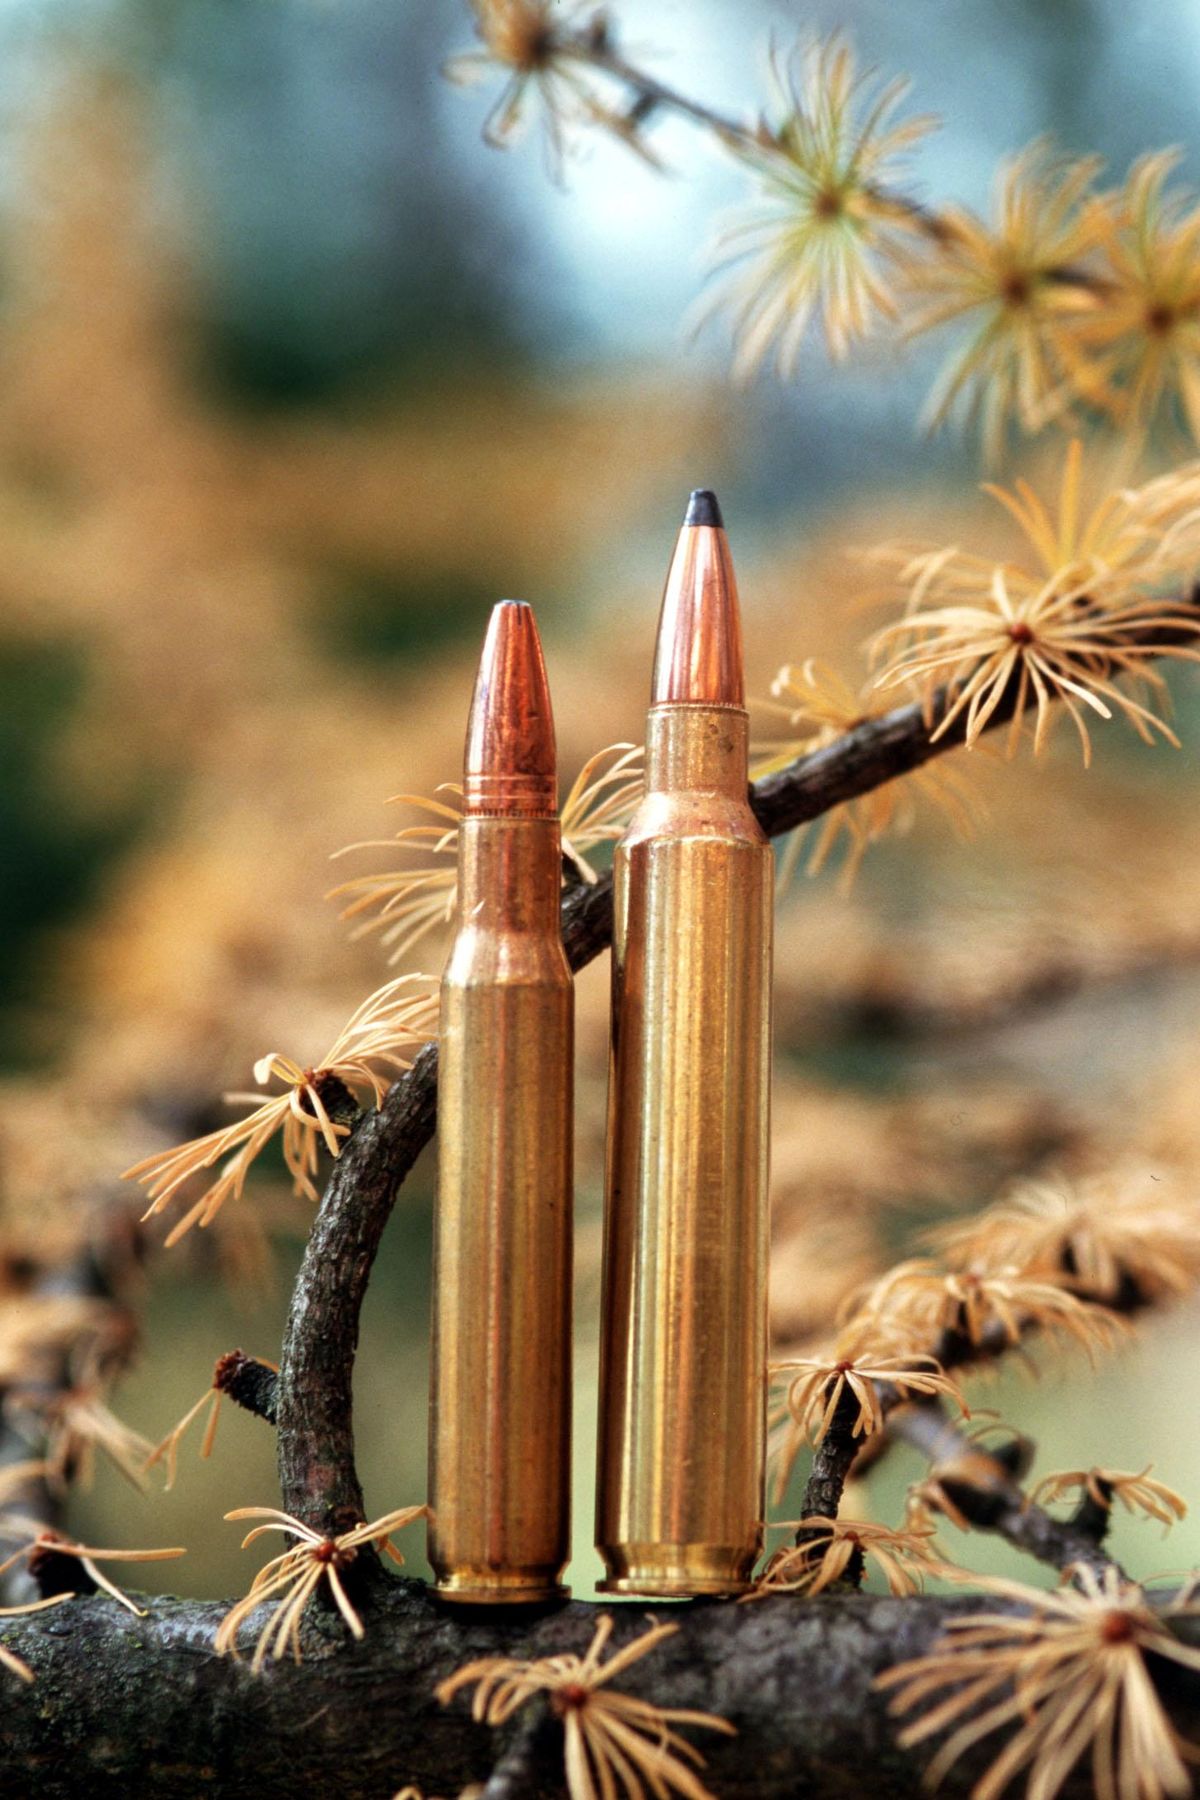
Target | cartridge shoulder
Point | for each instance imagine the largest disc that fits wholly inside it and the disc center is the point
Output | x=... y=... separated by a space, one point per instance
x=698 y=814
x=481 y=957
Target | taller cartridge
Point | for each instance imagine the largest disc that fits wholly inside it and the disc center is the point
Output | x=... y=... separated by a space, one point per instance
x=500 y=1413
x=681 y=1475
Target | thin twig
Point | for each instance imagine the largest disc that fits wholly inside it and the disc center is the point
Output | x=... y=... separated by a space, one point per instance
x=832 y=1462
x=596 y=50
x=601 y=55
x=986 y=1493
x=251 y=1384
x=993 y=1501
x=317 y=1474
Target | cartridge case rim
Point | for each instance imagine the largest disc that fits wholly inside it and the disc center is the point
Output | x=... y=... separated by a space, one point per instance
x=511 y=1593
x=682 y=1587
x=670 y=1569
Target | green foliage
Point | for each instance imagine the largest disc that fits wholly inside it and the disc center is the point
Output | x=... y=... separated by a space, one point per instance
x=55 y=855
x=384 y=616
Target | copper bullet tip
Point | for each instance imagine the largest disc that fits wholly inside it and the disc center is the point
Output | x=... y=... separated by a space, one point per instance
x=698 y=658
x=510 y=769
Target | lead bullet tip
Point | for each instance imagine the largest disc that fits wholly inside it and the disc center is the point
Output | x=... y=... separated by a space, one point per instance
x=698 y=658
x=510 y=767
x=704 y=509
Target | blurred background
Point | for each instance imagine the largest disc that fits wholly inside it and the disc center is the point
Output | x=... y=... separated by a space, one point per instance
x=297 y=376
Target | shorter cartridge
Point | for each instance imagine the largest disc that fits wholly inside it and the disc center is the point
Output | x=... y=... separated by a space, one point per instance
x=500 y=1418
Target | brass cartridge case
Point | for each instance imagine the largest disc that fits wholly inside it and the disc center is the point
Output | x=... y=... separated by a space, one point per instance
x=499 y=1445
x=684 y=1327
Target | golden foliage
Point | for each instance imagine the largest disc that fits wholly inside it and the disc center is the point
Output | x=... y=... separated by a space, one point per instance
x=1145 y=337
x=1070 y=1674
x=376 y=1045
x=977 y=632
x=815 y=1386
x=1010 y=283
x=613 y=1742
x=833 y=1550
x=1135 y=1489
x=290 y=1580
x=819 y=706
x=540 y=48
x=410 y=902
x=1092 y=1234
x=823 y=238
x=75 y=1425
x=991 y=1309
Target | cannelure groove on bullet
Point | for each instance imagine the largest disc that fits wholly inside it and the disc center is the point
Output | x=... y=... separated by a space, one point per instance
x=500 y=1412
x=681 y=1472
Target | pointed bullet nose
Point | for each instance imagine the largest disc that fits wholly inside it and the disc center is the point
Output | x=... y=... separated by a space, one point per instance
x=510 y=767
x=698 y=658
x=704 y=509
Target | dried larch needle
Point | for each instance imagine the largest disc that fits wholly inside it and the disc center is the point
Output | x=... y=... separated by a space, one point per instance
x=818 y=706
x=404 y=905
x=45 y=1545
x=541 y=51
x=613 y=1742
x=74 y=1427
x=1093 y=1235
x=1071 y=1674
x=1020 y=284
x=1136 y=1490
x=822 y=239
x=815 y=1387
x=1145 y=336
x=377 y=1044
x=833 y=1550
x=979 y=1305
x=290 y=1580
x=1061 y=624
x=213 y=1395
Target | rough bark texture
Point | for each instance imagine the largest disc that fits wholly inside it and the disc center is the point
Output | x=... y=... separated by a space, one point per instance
x=126 y=1707
x=314 y=1401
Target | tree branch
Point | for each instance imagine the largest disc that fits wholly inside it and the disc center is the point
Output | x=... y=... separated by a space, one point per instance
x=981 y=1486
x=991 y=1497
x=126 y=1706
x=251 y=1384
x=317 y=1476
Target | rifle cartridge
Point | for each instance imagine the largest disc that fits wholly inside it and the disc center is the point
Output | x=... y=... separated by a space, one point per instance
x=680 y=1498
x=500 y=1414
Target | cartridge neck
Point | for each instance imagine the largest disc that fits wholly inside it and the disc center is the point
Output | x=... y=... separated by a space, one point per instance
x=509 y=875
x=697 y=749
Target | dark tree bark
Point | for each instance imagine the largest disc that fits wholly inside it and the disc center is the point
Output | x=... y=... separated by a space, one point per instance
x=125 y=1707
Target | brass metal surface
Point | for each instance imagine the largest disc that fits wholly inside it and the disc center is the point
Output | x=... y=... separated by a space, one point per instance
x=684 y=1328
x=500 y=1384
